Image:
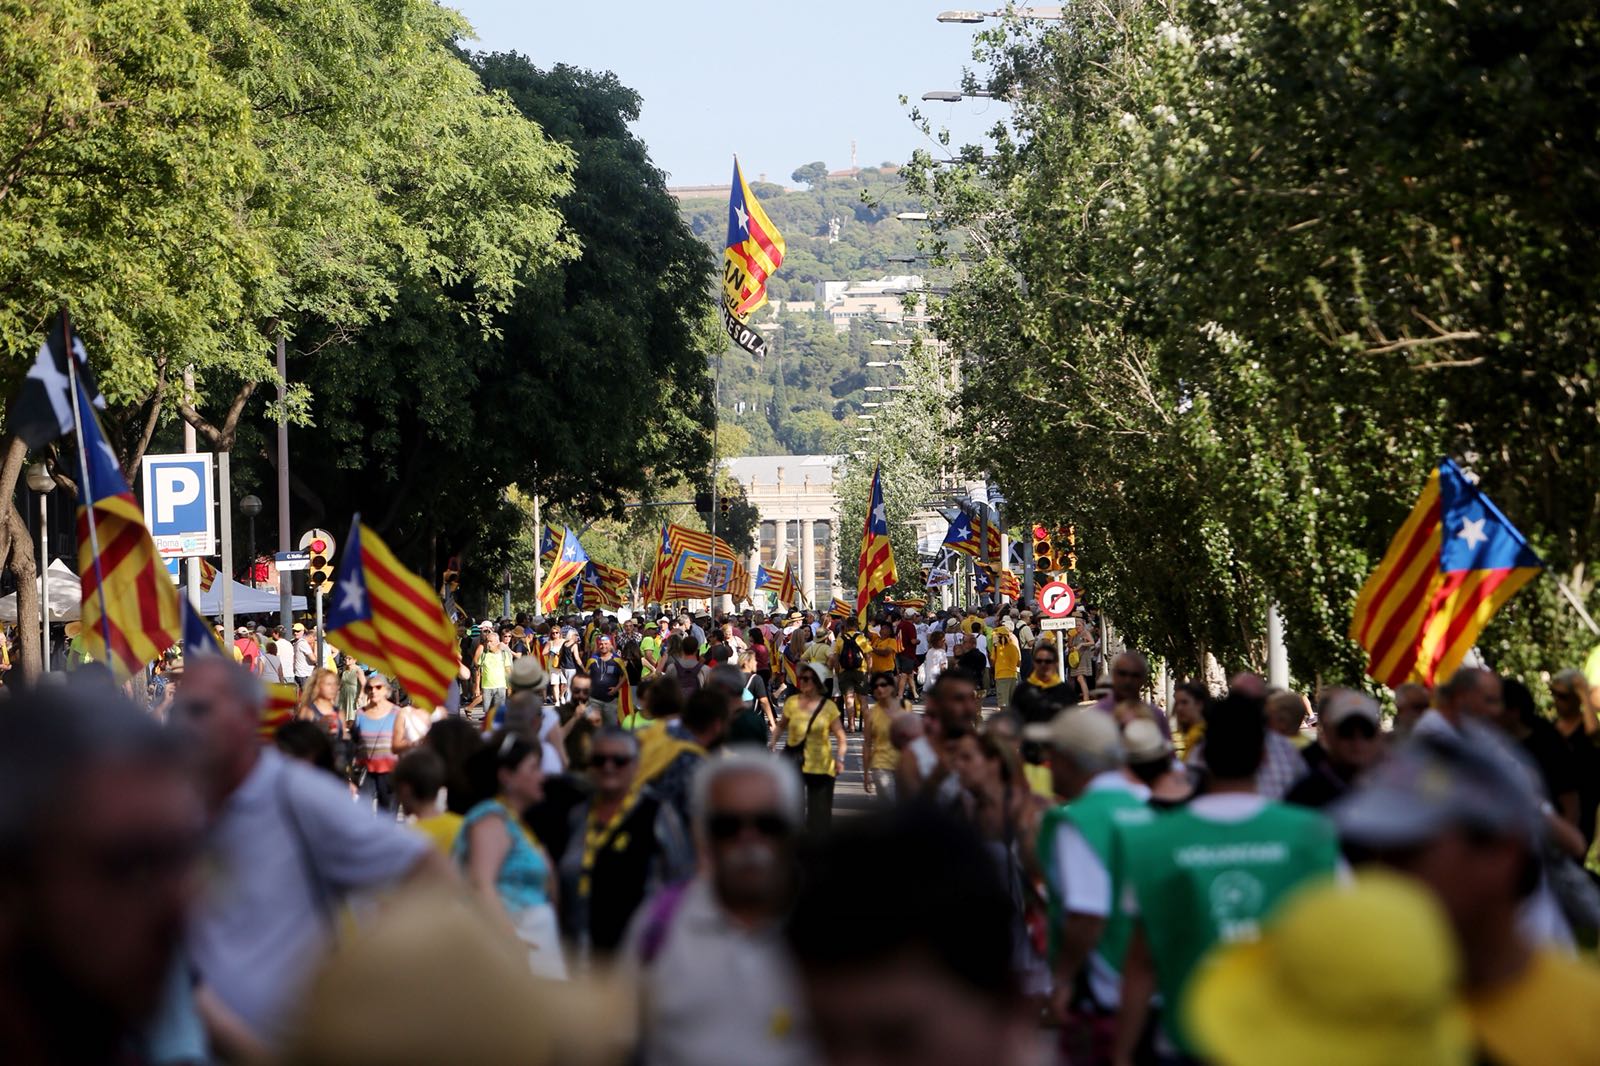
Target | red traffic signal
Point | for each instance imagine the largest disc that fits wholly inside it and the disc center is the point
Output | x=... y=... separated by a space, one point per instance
x=317 y=546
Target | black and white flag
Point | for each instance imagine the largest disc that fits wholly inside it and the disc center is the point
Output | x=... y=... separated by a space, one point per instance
x=42 y=409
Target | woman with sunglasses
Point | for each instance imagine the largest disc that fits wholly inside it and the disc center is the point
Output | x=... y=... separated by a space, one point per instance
x=810 y=718
x=503 y=862
x=624 y=843
x=374 y=741
x=879 y=757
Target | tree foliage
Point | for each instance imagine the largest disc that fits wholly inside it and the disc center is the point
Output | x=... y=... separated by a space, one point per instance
x=1252 y=269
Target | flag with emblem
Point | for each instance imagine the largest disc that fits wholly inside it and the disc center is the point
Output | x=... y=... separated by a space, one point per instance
x=570 y=561
x=699 y=565
x=753 y=253
x=1455 y=561
x=388 y=617
x=875 y=571
x=548 y=543
x=199 y=639
x=960 y=536
x=130 y=610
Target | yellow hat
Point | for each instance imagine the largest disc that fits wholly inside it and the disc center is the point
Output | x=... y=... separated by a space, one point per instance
x=1361 y=974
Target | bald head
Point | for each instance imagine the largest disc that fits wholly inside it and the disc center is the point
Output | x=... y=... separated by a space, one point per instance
x=1129 y=672
x=1471 y=693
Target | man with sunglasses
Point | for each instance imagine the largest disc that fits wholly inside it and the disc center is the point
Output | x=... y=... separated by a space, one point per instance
x=1347 y=744
x=622 y=845
x=1044 y=691
x=717 y=983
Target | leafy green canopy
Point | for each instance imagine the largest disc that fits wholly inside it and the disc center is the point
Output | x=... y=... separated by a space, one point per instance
x=1254 y=269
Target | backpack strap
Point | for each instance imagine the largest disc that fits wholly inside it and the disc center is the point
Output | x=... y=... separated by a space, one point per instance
x=658 y=920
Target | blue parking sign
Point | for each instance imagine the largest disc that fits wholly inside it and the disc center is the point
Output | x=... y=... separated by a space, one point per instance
x=180 y=504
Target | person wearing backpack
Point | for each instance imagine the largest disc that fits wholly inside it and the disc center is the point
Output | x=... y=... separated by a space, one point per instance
x=811 y=716
x=849 y=664
x=684 y=667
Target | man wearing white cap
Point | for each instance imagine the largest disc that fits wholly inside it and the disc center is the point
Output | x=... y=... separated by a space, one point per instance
x=1348 y=744
x=1077 y=851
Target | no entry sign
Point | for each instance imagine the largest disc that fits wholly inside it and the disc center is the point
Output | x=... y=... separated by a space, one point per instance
x=1056 y=600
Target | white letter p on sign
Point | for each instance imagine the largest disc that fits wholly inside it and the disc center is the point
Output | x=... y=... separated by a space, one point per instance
x=175 y=486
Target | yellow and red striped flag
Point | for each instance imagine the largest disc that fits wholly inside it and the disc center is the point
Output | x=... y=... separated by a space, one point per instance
x=700 y=565
x=279 y=710
x=388 y=618
x=130 y=609
x=752 y=254
x=1456 y=560
x=570 y=561
x=208 y=575
x=840 y=608
x=875 y=570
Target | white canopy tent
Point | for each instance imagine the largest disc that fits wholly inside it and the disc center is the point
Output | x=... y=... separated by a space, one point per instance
x=64 y=596
x=246 y=600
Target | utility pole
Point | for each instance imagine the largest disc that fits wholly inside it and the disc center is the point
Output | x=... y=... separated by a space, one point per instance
x=285 y=586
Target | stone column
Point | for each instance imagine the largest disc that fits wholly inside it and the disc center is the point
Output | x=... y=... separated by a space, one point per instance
x=808 y=559
x=780 y=545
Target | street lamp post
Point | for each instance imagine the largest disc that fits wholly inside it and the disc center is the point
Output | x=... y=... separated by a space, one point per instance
x=250 y=506
x=40 y=481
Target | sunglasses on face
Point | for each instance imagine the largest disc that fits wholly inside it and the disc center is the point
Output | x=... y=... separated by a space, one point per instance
x=1354 y=727
x=618 y=761
x=376 y=688
x=1044 y=660
x=883 y=684
x=769 y=824
x=580 y=693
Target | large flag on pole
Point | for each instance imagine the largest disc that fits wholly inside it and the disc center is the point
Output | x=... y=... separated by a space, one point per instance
x=1454 y=563
x=388 y=618
x=960 y=536
x=700 y=566
x=570 y=561
x=875 y=571
x=656 y=588
x=130 y=606
x=753 y=253
x=42 y=409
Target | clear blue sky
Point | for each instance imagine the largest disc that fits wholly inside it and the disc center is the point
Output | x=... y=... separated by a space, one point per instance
x=808 y=76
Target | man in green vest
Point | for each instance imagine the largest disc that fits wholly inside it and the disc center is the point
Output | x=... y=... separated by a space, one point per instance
x=1208 y=873
x=1077 y=850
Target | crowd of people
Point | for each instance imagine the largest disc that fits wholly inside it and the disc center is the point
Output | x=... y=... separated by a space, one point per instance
x=615 y=842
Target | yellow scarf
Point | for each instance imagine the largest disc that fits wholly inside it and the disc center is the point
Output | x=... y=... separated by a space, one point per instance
x=595 y=836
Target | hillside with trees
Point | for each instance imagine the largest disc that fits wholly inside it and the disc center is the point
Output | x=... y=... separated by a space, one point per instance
x=840 y=228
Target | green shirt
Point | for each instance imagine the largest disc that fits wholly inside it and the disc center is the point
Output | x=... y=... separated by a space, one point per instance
x=1098 y=815
x=649 y=648
x=1195 y=880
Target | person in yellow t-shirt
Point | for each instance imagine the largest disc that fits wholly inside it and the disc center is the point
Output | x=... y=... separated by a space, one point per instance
x=1459 y=815
x=811 y=718
x=1005 y=658
x=418 y=779
x=879 y=757
x=884 y=648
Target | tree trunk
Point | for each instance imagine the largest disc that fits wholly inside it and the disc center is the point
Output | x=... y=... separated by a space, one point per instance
x=26 y=571
x=17 y=548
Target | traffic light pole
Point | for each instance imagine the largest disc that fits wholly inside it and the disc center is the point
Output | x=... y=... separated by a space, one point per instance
x=322 y=650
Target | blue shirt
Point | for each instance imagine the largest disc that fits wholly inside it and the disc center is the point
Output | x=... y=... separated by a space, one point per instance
x=523 y=872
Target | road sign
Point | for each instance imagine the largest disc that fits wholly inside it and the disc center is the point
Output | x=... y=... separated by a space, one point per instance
x=1056 y=600
x=288 y=561
x=309 y=542
x=1050 y=625
x=180 y=504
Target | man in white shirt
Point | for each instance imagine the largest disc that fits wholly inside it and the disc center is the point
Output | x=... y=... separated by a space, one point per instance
x=305 y=656
x=717 y=983
x=285 y=845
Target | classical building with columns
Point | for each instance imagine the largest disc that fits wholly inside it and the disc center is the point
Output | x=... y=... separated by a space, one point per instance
x=799 y=507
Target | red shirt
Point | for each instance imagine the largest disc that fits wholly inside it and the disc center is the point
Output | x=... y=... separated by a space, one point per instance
x=908 y=636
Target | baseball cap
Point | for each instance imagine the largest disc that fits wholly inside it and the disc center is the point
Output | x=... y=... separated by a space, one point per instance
x=299 y=627
x=1370 y=968
x=1083 y=730
x=526 y=673
x=1143 y=741
x=1437 y=782
x=1349 y=704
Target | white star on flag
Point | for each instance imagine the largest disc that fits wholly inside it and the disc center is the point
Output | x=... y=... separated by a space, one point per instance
x=744 y=218
x=1472 y=532
x=879 y=518
x=354 y=596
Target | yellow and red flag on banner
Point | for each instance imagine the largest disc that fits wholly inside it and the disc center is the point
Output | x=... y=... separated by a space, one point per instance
x=570 y=561
x=752 y=254
x=388 y=618
x=130 y=606
x=1455 y=562
x=279 y=710
x=604 y=586
x=699 y=566
x=875 y=570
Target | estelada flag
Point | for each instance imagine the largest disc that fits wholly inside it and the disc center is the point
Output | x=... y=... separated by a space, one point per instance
x=1454 y=563
x=278 y=711
x=130 y=606
x=388 y=618
x=875 y=570
x=753 y=253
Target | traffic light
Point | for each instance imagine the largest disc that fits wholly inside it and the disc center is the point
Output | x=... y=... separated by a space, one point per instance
x=1045 y=558
x=702 y=502
x=319 y=571
x=724 y=506
x=1072 y=547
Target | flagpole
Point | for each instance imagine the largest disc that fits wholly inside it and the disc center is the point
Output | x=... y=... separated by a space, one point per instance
x=84 y=483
